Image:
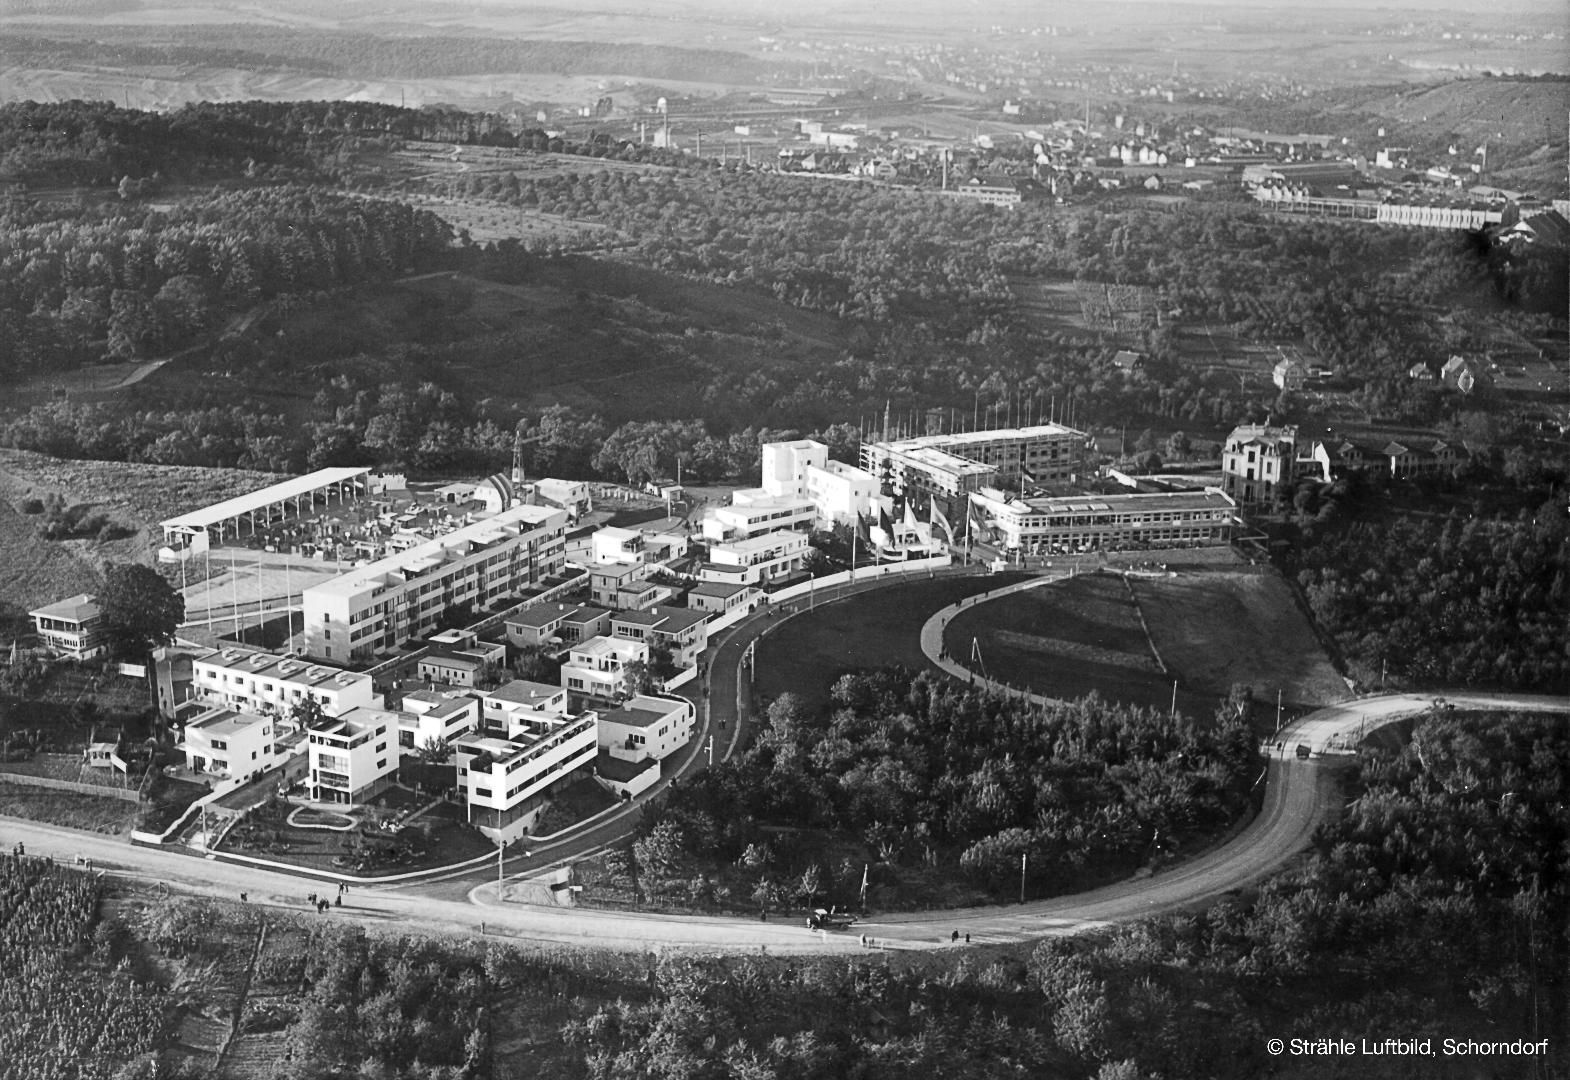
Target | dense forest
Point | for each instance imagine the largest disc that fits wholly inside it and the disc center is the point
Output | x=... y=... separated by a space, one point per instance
x=129 y=281
x=1443 y=601
x=929 y=780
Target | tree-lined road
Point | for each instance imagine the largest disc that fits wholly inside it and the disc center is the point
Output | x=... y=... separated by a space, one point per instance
x=1297 y=796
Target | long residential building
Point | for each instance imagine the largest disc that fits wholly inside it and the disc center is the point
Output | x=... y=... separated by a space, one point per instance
x=1091 y=522
x=947 y=466
x=388 y=602
x=247 y=680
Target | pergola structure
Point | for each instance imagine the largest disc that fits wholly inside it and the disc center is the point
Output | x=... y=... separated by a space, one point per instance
x=260 y=509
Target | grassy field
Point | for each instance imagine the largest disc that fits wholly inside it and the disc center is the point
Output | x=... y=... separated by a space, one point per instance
x=1212 y=628
x=1067 y=640
x=1216 y=629
x=39 y=572
x=810 y=650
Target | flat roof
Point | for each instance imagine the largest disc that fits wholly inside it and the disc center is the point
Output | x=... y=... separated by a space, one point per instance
x=630 y=717
x=267 y=496
x=78 y=608
x=601 y=646
x=458 y=541
x=1157 y=500
x=286 y=668
x=971 y=438
x=226 y=722
x=761 y=541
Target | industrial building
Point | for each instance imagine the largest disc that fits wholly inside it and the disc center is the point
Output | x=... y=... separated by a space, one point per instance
x=1054 y=526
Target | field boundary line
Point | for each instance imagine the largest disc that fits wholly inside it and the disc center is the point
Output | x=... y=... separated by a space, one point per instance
x=1143 y=625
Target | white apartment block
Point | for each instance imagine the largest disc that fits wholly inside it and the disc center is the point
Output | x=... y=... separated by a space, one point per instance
x=353 y=757
x=392 y=600
x=758 y=560
x=250 y=681
x=230 y=744
x=647 y=727
x=947 y=465
x=753 y=511
x=801 y=469
x=597 y=668
x=505 y=781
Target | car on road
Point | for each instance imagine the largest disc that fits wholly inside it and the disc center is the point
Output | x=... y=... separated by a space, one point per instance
x=824 y=919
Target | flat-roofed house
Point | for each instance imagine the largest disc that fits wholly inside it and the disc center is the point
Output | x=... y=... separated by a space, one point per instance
x=505 y=782
x=636 y=736
x=514 y=705
x=230 y=744
x=72 y=627
x=430 y=717
x=353 y=757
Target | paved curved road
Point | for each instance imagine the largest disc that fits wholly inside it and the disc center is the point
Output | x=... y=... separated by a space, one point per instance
x=1298 y=795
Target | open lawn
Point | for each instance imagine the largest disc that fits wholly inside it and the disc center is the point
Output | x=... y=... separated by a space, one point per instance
x=1067 y=640
x=75 y=811
x=1212 y=629
x=1216 y=629
x=810 y=650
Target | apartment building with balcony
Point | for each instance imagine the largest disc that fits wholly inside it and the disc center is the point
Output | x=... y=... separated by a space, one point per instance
x=757 y=560
x=383 y=604
x=248 y=680
x=353 y=757
x=636 y=736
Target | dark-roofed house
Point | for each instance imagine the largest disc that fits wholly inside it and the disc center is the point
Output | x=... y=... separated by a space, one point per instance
x=71 y=627
x=1124 y=360
x=719 y=597
x=682 y=630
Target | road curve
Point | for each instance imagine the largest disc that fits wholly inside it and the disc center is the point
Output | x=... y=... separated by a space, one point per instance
x=1298 y=794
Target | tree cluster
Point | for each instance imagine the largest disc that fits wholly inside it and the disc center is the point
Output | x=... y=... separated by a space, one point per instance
x=913 y=770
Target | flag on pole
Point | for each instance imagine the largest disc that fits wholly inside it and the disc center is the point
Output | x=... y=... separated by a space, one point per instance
x=939 y=521
x=862 y=534
x=885 y=522
x=910 y=515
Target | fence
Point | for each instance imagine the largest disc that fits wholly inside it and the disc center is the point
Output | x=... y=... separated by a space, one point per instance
x=108 y=792
x=861 y=575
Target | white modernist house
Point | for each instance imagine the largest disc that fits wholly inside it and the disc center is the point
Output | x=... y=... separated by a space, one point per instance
x=597 y=668
x=756 y=560
x=802 y=468
x=514 y=706
x=636 y=737
x=505 y=781
x=431 y=717
x=72 y=627
x=259 y=682
x=754 y=511
x=392 y=600
x=353 y=757
x=230 y=743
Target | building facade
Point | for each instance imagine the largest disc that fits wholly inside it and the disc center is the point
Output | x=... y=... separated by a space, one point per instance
x=401 y=597
x=229 y=743
x=353 y=757
x=758 y=560
x=950 y=466
x=251 y=681
x=597 y=668
x=681 y=630
x=1059 y=526
x=72 y=628
x=1257 y=460
x=505 y=781
x=647 y=726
